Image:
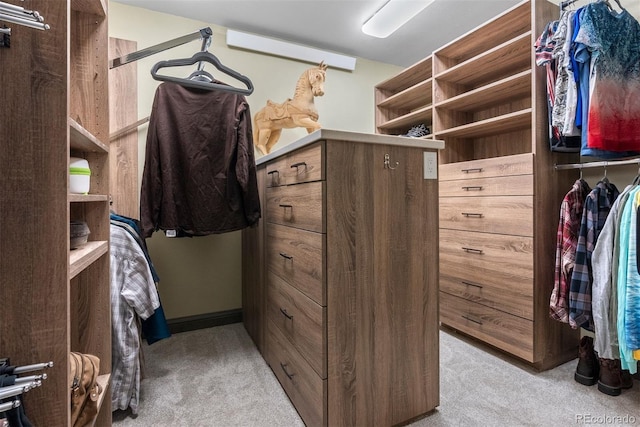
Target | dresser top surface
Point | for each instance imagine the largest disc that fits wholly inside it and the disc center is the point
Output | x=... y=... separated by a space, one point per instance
x=346 y=136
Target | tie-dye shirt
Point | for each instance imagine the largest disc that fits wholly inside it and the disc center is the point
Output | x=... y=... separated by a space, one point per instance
x=614 y=99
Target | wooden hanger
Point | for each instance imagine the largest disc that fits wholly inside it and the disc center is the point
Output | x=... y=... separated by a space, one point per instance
x=202 y=83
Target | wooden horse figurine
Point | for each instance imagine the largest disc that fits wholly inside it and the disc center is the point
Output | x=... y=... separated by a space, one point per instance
x=297 y=112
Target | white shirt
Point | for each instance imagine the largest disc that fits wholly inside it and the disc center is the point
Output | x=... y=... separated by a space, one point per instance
x=133 y=292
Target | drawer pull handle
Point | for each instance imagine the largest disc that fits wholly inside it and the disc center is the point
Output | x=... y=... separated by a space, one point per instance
x=471 y=170
x=284 y=368
x=475 y=285
x=472 y=215
x=286 y=206
x=275 y=177
x=472 y=250
x=472 y=320
x=284 y=255
x=472 y=187
x=287 y=315
x=297 y=165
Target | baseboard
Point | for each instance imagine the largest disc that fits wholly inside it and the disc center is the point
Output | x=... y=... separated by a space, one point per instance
x=202 y=321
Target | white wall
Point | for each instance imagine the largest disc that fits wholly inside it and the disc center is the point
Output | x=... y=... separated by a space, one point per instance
x=203 y=274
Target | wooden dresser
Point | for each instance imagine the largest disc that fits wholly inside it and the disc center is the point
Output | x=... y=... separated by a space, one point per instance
x=341 y=277
x=486 y=225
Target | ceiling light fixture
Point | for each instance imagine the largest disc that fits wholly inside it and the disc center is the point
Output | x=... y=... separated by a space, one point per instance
x=393 y=15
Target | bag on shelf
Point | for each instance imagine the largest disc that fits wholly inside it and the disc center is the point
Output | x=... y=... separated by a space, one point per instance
x=85 y=390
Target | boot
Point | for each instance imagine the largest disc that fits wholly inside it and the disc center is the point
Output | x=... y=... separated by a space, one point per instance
x=609 y=382
x=626 y=380
x=588 y=366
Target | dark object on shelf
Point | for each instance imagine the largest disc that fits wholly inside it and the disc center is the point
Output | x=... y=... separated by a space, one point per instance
x=417 y=131
x=79 y=234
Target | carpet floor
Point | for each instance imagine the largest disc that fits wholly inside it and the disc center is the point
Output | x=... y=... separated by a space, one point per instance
x=216 y=377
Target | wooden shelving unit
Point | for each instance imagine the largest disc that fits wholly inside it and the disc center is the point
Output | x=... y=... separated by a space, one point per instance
x=499 y=192
x=55 y=87
x=405 y=100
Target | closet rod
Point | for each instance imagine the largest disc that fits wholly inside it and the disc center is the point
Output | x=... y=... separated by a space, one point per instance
x=566 y=3
x=143 y=53
x=15 y=390
x=4 y=407
x=25 y=22
x=117 y=134
x=34 y=367
x=597 y=164
x=22 y=16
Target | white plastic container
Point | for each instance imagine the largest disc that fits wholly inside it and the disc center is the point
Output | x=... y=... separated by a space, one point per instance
x=79 y=176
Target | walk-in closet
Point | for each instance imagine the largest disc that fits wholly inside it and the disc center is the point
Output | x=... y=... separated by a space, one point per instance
x=287 y=213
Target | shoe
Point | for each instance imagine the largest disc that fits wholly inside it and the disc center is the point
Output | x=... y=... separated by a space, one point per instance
x=626 y=380
x=417 y=131
x=588 y=367
x=609 y=381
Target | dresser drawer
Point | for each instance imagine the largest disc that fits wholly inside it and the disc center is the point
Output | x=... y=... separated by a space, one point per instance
x=298 y=206
x=306 y=390
x=521 y=164
x=487 y=253
x=494 y=214
x=518 y=185
x=455 y=281
x=300 y=319
x=498 y=274
x=298 y=257
x=483 y=290
x=505 y=331
x=304 y=165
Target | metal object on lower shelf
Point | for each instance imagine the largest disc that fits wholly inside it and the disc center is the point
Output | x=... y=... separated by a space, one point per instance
x=78 y=234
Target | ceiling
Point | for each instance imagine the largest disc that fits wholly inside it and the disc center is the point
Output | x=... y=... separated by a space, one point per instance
x=335 y=25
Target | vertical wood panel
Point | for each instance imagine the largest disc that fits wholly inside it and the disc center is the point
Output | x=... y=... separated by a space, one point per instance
x=382 y=256
x=123 y=110
x=33 y=206
x=254 y=273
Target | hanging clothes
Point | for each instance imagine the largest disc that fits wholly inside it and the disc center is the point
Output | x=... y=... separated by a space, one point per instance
x=628 y=285
x=567 y=241
x=155 y=328
x=199 y=175
x=614 y=274
x=572 y=57
x=596 y=210
x=614 y=105
x=544 y=48
x=133 y=296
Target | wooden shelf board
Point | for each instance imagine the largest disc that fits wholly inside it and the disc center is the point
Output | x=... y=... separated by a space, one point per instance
x=493 y=126
x=517 y=18
x=515 y=86
x=94 y=7
x=513 y=55
x=408 y=77
x=85 y=255
x=413 y=97
x=85 y=198
x=82 y=139
x=418 y=116
x=103 y=380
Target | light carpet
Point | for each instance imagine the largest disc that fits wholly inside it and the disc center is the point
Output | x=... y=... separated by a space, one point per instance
x=216 y=377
